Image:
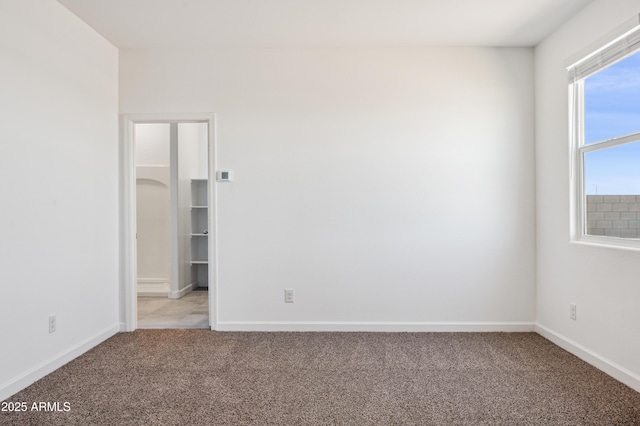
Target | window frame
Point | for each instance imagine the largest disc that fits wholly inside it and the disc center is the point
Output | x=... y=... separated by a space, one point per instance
x=577 y=141
x=582 y=193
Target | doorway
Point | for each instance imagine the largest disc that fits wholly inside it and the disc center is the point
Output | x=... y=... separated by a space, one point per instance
x=169 y=260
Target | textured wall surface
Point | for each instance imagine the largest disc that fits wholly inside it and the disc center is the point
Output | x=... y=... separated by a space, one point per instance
x=601 y=280
x=59 y=162
x=383 y=185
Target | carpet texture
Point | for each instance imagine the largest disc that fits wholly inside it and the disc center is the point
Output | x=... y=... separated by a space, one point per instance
x=200 y=377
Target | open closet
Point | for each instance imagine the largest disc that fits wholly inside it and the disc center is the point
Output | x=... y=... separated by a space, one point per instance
x=172 y=224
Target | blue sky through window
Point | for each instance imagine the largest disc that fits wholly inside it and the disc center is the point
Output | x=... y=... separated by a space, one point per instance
x=612 y=109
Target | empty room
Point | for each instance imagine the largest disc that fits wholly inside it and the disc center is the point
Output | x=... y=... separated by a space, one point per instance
x=320 y=212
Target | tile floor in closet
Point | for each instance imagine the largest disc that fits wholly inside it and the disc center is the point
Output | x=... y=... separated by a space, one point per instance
x=190 y=311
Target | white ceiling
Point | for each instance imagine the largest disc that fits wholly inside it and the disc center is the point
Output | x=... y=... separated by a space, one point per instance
x=210 y=23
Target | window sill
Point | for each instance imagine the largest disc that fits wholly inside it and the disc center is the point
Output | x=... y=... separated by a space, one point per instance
x=608 y=242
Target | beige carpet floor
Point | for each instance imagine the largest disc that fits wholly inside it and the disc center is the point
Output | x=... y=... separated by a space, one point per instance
x=200 y=377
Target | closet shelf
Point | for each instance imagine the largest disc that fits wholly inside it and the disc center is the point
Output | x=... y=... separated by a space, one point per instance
x=199 y=224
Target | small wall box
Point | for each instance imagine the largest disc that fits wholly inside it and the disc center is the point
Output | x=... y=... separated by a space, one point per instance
x=224 y=176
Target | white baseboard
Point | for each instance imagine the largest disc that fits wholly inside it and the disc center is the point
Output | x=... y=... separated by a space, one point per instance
x=153 y=287
x=27 y=378
x=601 y=363
x=180 y=293
x=375 y=326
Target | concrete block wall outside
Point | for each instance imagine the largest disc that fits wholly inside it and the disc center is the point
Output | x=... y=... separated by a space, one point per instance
x=613 y=215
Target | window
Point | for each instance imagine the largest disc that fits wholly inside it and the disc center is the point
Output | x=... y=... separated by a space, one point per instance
x=605 y=126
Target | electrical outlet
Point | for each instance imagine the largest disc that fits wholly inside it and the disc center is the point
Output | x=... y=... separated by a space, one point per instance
x=572 y=311
x=52 y=323
x=288 y=295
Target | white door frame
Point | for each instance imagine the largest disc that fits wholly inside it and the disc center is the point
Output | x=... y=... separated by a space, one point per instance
x=128 y=261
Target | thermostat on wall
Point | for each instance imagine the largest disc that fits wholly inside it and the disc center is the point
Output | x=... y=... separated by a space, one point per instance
x=225 y=176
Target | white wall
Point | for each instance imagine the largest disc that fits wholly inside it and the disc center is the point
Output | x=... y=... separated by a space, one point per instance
x=59 y=165
x=192 y=151
x=153 y=208
x=384 y=185
x=153 y=243
x=152 y=144
x=603 y=282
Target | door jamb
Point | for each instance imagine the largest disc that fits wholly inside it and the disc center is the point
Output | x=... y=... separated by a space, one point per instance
x=128 y=249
